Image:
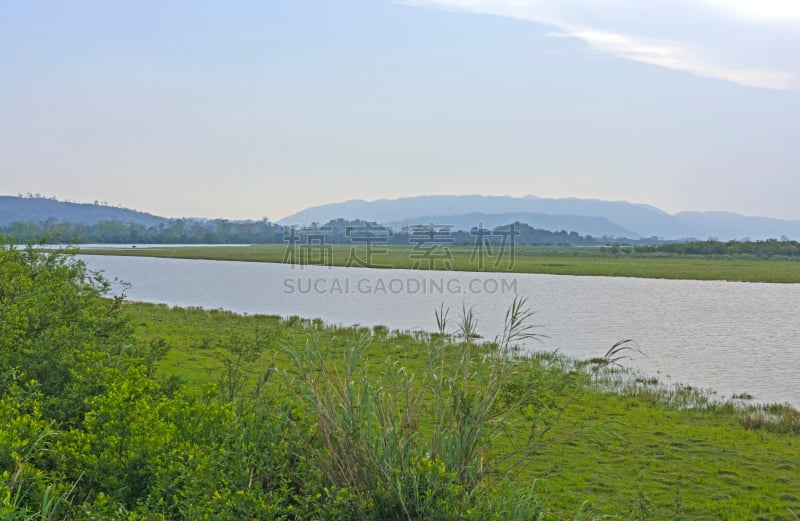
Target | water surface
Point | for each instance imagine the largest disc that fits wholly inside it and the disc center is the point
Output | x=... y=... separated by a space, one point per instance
x=733 y=337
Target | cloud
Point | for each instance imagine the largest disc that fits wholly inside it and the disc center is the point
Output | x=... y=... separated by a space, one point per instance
x=692 y=53
x=679 y=58
x=768 y=10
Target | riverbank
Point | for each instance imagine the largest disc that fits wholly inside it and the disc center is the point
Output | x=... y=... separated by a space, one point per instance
x=543 y=260
x=635 y=451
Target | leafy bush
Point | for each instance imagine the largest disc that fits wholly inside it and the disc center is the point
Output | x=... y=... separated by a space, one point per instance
x=56 y=329
x=26 y=490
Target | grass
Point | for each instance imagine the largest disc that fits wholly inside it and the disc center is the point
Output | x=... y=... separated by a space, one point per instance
x=621 y=446
x=548 y=260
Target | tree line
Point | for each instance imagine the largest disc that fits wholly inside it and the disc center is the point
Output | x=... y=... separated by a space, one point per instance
x=767 y=248
x=337 y=231
x=342 y=231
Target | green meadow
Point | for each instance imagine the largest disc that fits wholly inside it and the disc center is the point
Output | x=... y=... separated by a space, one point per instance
x=611 y=444
x=609 y=262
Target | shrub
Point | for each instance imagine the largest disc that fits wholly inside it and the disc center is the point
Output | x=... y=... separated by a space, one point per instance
x=57 y=329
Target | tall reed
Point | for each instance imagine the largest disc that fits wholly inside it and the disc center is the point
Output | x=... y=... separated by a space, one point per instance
x=415 y=446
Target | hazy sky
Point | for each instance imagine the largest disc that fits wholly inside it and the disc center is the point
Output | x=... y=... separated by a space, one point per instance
x=246 y=109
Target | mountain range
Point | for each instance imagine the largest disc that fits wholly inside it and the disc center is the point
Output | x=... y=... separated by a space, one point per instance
x=586 y=216
x=593 y=217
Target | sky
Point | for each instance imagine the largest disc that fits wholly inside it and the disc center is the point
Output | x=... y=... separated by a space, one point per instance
x=251 y=109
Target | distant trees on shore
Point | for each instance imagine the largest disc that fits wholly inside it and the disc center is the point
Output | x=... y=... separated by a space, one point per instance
x=768 y=248
x=341 y=231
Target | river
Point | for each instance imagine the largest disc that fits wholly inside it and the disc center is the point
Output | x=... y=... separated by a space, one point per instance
x=733 y=337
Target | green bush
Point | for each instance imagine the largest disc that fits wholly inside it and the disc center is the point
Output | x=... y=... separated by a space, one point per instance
x=57 y=329
x=27 y=490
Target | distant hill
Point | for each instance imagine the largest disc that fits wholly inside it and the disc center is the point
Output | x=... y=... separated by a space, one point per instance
x=35 y=209
x=728 y=225
x=612 y=218
x=640 y=219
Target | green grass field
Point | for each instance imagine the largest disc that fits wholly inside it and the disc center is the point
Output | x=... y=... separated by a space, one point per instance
x=550 y=260
x=635 y=453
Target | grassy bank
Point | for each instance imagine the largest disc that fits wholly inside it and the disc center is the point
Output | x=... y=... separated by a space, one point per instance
x=549 y=260
x=636 y=452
